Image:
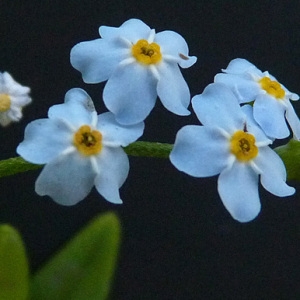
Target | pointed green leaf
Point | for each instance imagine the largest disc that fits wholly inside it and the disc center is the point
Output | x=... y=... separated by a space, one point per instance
x=16 y=165
x=290 y=154
x=13 y=265
x=84 y=268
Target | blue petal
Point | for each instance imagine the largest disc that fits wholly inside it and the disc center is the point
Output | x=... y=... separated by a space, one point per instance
x=131 y=30
x=240 y=66
x=172 y=43
x=172 y=89
x=269 y=113
x=218 y=106
x=238 y=189
x=252 y=126
x=114 y=133
x=114 y=168
x=67 y=180
x=97 y=59
x=200 y=151
x=130 y=93
x=273 y=174
x=77 y=110
x=246 y=90
x=293 y=120
x=44 y=140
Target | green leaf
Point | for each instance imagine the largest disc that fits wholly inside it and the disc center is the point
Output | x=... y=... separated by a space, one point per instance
x=13 y=265
x=290 y=154
x=84 y=268
x=16 y=165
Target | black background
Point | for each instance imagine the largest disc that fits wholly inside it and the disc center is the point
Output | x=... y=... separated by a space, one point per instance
x=178 y=241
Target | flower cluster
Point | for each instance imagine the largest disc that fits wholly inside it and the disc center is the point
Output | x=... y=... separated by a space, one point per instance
x=241 y=113
x=232 y=144
x=81 y=149
x=234 y=140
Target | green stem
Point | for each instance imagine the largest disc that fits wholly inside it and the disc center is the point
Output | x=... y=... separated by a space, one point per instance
x=149 y=149
x=17 y=165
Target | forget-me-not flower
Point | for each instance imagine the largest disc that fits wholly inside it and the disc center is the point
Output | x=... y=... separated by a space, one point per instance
x=13 y=97
x=80 y=150
x=272 y=106
x=139 y=65
x=230 y=144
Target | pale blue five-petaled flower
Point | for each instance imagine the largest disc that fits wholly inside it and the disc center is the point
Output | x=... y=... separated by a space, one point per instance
x=203 y=151
x=272 y=106
x=133 y=85
x=13 y=97
x=69 y=175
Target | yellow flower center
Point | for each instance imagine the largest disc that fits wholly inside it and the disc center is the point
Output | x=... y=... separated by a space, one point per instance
x=4 y=102
x=87 y=141
x=146 y=53
x=242 y=145
x=272 y=87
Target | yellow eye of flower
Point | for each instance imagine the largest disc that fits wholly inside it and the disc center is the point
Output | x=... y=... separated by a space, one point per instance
x=272 y=87
x=146 y=53
x=5 y=102
x=242 y=145
x=87 y=141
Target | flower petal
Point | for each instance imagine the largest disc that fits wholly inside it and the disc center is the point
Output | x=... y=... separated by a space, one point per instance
x=293 y=120
x=19 y=101
x=97 y=59
x=273 y=173
x=269 y=113
x=67 y=180
x=200 y=151
x=12 y=87
x=240 y=66
x=5 y=118
x=172 y=43
x=245 y=90
x=44 y=140
x=172 y=89
x=238 y=189
x=132 y=30
x=218 y=106
x=253 y=127
x=114 y=133
x=130 y=93
x=114 y=168
x=78 y=108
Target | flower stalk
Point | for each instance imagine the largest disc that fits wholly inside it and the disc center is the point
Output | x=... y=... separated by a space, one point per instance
x=15 y=165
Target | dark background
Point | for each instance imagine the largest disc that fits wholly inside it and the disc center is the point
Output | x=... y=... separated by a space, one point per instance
x=179 y=242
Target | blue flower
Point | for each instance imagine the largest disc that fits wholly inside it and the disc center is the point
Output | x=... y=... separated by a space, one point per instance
x=272 y=100
x=230 y=144
x=80 y=150
x=13 y=97
x=139 y=65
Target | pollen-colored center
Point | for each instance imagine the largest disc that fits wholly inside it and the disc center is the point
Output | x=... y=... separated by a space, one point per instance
x=5 y=102
x=88 y=141
x=242 y=145
x=272 y=87
x=146 y=53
